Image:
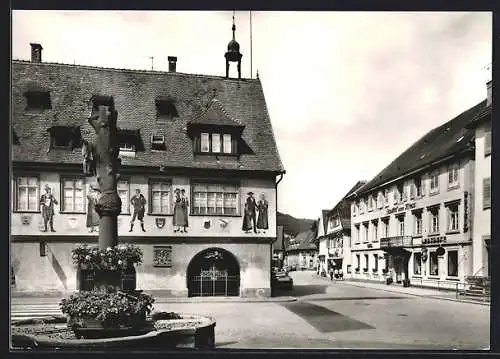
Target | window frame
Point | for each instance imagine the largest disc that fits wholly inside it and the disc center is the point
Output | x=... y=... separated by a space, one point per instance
x=223 y=150
x=487 y=143
x=417 y=258
x=366 y=226
x=417 y=219
x=201 y=182
x=401 y=225
x=151 y=182
x=43 y=106
x=127 y=180
x=455 y=251
x=161 y=146
x=486 y=198
x=375 y=233
x=431 y=255
x=357 y=239
x=62 y=199
x=453 y=171
x=16 y=193
x=449 y=216
x=434 y=179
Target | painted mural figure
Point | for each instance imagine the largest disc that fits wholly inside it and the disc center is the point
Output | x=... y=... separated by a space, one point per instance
x=92 y=216
x=47 y=202
x=88 y=159
x=262 y=220
x=139 y=203
x=249 y=217
x=180 y=211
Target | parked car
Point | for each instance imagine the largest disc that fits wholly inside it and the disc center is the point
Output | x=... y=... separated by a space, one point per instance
x=281 y=280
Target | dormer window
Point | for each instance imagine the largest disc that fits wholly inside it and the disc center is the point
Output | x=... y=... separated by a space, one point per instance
x=65 y=137
x=217 y=143
x=37 y=101
x=165 y=109
x=129 y=141
x=158 y=143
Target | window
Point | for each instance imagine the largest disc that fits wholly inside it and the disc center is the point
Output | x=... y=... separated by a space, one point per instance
x=399 y=194
x=361 y=206
x=375 y=262
x=386 y=197
x=453 y=263
x=418 y=187
x=158 y=143
x=37 y=101
x=434 y=183
x=27 y=196
x=487 y=143
x=453 y=177
x=165 y=109
x=73 y=198
x=123 y=189
x=356 y=234
x=433 y=264
x=365 y=232
x=160 y=197
x=358 y=262
x=386 y=227
x=417 y=263
x=434 y=220
x=370 y=203
x=65 y=137
x=127 y=147
x=401 y=220
x=212 y=198
x=486 y=193
x=417 y=218
x=380 y=200
x=216 y=143
x=205 y=145
x=453 y=217
x=227 y=144
x=375 y=231
x=366 y=263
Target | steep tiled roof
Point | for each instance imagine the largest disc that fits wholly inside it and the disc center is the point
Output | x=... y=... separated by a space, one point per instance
x=448 y=139
x=324 y=218
x=304 y=241
x=343 y=209
x=215 y=114
x=241 y=102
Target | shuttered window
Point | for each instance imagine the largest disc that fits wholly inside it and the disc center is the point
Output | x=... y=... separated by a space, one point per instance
x=486 y=193
x=487 y=143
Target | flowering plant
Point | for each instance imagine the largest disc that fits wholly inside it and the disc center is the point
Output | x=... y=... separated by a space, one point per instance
x=113 y=258
x=110 y=308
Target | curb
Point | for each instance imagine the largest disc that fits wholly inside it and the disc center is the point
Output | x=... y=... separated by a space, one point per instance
x=420 y=295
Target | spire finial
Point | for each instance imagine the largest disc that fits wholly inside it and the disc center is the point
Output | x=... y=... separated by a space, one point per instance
x=234 y=26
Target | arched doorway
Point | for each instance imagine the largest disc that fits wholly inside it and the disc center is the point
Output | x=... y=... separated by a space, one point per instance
x=213 y=272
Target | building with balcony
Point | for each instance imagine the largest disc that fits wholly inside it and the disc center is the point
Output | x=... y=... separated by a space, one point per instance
x=336 y=243
x=481 y=222
x=413 y=220
x=198 y=179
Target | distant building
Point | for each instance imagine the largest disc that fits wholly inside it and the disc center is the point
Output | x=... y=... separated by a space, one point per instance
x=302 y=252
x=337 y=241
x=278 y=245
x=481 y=224
x=322 y=243
x=198 y=177
x=413 y=220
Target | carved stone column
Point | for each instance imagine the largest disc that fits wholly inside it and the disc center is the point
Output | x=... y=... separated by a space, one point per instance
x=105 y=152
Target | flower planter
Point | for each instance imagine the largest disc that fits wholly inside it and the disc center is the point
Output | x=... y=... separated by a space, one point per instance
x=92 y=328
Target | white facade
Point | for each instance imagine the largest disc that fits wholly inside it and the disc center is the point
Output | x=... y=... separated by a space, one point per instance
x=413 y=219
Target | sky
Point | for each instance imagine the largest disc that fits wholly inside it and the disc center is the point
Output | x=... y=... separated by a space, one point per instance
x=347 y=92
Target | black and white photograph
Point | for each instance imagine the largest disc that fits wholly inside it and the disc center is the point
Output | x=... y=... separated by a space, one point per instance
x=214 y=180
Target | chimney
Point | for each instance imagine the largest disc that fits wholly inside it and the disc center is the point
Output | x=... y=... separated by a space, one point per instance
x=488 y=93
x=172 y=61
x=36 y=52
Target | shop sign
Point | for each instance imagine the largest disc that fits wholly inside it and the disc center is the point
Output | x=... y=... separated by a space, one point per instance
x=466 y=211
x=434 y=240
x=401 y=208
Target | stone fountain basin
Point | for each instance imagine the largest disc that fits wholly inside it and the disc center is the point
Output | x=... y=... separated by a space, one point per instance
x=191 y=331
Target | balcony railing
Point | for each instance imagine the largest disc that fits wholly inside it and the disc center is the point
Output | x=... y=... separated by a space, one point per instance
x=397 y=241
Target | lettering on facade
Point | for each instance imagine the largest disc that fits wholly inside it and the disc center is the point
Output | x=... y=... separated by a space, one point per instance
x=466 y=211
x=434 y=240
x=162 y=256
x=401 y=208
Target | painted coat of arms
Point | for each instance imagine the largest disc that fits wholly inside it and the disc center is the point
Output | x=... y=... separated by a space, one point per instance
x=160 y=222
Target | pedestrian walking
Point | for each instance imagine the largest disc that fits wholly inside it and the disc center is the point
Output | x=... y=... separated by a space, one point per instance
x=331 y=273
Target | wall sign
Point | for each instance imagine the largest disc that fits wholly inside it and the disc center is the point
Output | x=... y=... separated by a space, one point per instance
x=466 y=211
x=162 y=256
x=434 y=240
x=401 y=208
x=26 y=220
x=160 y=222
